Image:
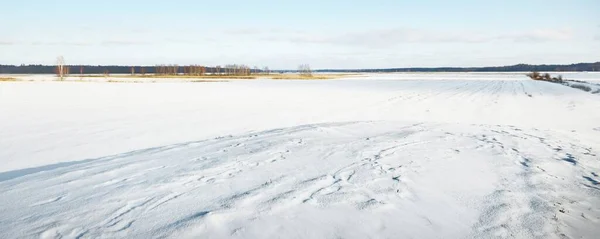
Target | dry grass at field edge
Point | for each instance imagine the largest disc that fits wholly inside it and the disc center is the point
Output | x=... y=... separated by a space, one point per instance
x=7 y=79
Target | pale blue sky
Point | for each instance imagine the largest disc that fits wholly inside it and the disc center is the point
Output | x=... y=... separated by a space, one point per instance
x=283 y=34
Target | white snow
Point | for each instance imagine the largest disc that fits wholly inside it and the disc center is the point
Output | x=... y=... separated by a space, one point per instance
x=591 y=86
x=442 y=155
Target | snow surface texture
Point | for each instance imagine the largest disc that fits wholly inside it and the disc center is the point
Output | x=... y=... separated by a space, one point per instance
x=385 y=156
x=591 y=87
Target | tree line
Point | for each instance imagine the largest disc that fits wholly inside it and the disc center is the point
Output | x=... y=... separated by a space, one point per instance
x=242 y=69
x=514 y=68
x=233 y=69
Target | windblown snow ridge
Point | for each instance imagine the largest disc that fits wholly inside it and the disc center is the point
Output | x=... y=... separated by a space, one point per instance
x=349 y=180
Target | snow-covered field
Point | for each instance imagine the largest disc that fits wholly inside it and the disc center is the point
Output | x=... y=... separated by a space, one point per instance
x=442 y=155
x=589 y=86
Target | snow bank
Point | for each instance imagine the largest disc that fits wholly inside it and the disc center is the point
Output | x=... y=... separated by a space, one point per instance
x=590 y=87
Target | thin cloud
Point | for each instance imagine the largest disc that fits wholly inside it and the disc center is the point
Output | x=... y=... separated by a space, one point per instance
x=71 y=43
x=139 y=30
x=397 y=36
x=244 y=31
x=6 y=43
x=388 y=37
x=67 y=44
x=191 y=40
x=122 y=43
x=53 y=43
x=261 y=31
x=541 y=35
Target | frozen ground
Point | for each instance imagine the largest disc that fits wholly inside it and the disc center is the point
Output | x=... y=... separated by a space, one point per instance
x=385 y=156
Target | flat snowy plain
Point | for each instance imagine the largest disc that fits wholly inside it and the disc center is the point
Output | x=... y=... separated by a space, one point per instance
x=443 y=155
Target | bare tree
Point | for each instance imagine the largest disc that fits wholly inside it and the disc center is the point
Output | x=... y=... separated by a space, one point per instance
x=304 y=70
x=534 y=75
x=81 y=73
x=60 y=67
x=547 y=76
x=193 y=70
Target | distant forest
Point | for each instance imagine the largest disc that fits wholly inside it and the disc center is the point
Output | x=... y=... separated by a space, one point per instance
x=514 y=68
x=88 y=69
